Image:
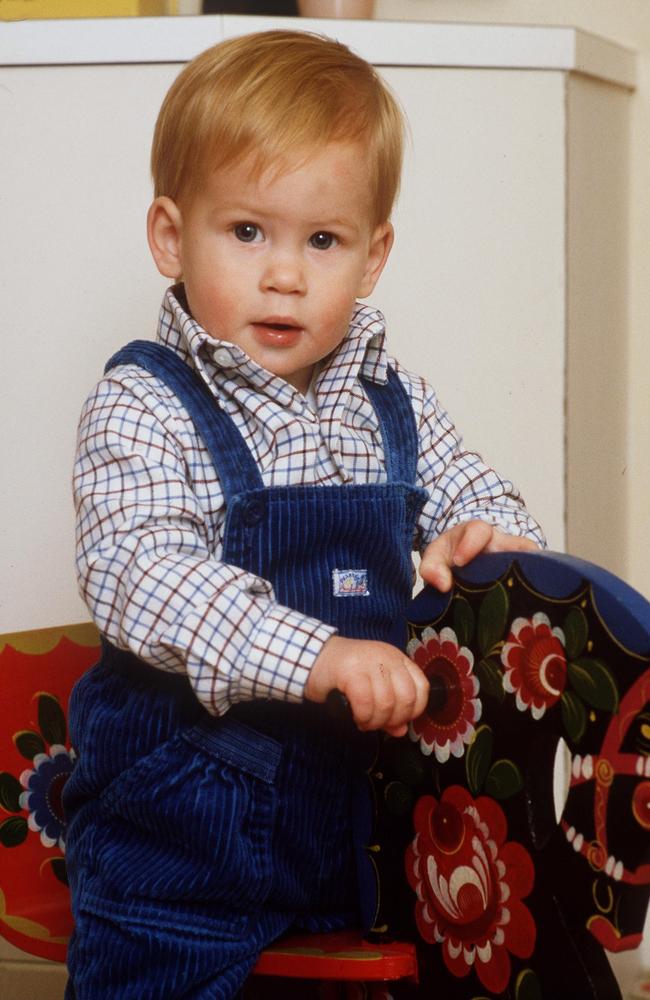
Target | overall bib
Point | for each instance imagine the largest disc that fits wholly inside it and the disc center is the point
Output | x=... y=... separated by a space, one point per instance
x=194 y=841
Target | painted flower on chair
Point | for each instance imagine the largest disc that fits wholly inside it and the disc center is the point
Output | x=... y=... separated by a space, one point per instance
x=447 y=725
x=42 y=796
x=470 y=883
x=535 y=664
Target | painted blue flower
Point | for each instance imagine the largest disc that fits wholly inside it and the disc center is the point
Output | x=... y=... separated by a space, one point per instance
x=42 y=796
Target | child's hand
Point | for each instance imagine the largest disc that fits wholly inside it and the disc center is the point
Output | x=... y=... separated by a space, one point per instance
x=460 y=544
x=384 y=688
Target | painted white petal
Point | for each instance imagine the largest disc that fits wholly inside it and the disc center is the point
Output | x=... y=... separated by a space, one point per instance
x=559 y=634
x=506 y=649
x=47 y=841
x=520 y=703
x=537 y=711
x=578 y=842
x=588 y=767
x=609 y=865
x=448 y=635
x=507 y=683
x=539 y=618
x=498 y=937
x=518 y=624
x=454 y=948
x=618 y=871
x=570 y=834
x=484 y=953
x=468 y=955
x=576 y=766
x=442 y=753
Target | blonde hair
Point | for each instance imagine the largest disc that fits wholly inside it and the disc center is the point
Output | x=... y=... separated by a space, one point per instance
x=272 y=95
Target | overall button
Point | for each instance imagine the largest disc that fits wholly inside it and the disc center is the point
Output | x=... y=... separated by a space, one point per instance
x=253 y=512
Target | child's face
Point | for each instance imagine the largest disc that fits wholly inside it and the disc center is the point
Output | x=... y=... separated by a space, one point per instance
x=274 y=263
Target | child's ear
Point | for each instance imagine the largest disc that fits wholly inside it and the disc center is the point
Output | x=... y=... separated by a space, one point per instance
x=164 y=228
x=381 y=242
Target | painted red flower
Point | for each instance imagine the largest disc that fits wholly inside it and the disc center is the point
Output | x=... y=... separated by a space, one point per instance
x=447 y=726
x=470 y=884
x=535 y=663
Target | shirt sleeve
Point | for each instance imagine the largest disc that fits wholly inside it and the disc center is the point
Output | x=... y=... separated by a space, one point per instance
x=148 y=565
x=460 y=485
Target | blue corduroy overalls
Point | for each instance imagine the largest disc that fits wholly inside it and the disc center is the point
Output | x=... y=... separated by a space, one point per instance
x=194 y=841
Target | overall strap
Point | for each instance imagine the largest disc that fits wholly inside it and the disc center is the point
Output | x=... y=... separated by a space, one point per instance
x=231 y=455
x=398 y=427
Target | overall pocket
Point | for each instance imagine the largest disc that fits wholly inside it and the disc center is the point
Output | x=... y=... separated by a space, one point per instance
x=192 y=822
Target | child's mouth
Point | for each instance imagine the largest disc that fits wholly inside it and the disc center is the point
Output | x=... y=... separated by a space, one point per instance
x=281 y=332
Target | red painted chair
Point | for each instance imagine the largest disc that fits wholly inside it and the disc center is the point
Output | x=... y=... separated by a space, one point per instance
x=526 y=657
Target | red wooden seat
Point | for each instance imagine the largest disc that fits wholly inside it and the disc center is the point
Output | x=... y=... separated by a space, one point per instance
x=340 y=955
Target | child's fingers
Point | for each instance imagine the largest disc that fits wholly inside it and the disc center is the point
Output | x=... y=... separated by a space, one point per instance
x=388 y=693
x=501 y=542
x=462 y=543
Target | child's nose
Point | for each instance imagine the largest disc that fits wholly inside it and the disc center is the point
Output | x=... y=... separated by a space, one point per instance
x=284 y=272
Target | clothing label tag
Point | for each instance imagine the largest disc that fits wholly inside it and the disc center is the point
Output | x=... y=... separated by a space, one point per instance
x=350 y=583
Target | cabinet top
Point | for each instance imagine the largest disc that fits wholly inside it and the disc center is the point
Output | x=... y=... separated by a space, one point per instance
x=383 y=43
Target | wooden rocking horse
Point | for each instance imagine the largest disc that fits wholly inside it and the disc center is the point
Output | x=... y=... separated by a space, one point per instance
x=486 y=885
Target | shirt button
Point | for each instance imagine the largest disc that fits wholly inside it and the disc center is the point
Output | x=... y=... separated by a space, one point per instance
x=222 y=357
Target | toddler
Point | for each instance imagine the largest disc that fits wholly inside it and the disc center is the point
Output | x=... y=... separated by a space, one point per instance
x=249 y=489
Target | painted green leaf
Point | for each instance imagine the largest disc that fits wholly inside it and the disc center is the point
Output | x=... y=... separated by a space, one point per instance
x=29 y=743
x=51 y=719
x=59 y=869
x=490 y=677
x=463 y=620
x=10 y=789
x=594 y=682
x=398 y=798
x=574 y=716
x=492 y=618
x=402 y=760
x=477 y=759
x=13 y=831
x=576 y=631
x=504 y=780
x=528 y=986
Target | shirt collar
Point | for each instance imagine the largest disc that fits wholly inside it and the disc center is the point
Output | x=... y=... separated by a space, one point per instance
x=362 y=351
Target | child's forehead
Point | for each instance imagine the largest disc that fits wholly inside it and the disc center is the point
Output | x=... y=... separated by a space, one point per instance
x=259 y=171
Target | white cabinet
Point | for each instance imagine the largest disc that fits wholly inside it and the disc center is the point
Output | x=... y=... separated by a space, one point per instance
x=506 y=286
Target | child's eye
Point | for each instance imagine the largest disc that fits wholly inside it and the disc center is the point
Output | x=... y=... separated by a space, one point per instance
x=322 y=240
x=247 y=232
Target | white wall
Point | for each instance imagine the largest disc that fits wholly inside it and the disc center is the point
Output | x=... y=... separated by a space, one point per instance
x=626 y=22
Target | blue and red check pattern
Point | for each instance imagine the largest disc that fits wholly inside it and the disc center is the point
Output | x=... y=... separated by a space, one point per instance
x=151 y=513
